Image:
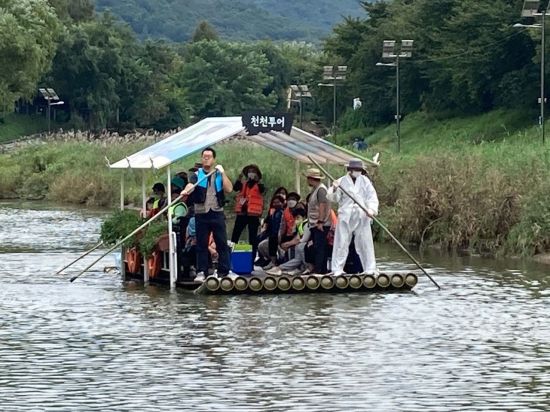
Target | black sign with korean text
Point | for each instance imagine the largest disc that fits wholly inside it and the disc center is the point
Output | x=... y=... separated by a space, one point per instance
x=261 y=122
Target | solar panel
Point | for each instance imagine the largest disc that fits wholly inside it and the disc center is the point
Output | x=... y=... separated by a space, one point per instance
x=406 y=48
x=48 y=93
x=388 y=49
x=53 y=94
x=530 y=8
x=301 y=90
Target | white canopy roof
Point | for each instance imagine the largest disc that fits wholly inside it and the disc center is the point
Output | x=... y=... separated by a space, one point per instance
x=298 y=145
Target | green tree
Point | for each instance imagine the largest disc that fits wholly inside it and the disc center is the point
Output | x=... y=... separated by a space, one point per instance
x=204 y=31
x=28 y=33
x=467 y=58
x=226 y=78
x=151 y=89
x=73 y=10
x=89 y=65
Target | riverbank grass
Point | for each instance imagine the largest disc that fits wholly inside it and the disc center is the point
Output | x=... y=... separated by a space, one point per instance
x=447 y=187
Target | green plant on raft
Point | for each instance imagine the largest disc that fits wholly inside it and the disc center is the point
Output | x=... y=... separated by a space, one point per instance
x=119 y=225
x=149 y=240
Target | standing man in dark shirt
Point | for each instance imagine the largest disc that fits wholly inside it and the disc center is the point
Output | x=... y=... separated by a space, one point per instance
x=209 y=197
x=249 y=205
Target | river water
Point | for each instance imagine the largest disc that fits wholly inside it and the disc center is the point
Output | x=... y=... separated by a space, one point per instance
x=98 y=344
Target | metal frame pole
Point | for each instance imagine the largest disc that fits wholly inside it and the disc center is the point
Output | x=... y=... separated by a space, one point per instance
x=144 y=208
x=49 y=115
x=398 y=115
x=334 y=106
x=301 y=113
x=542 y=53
x=297 y=171
x=173 y=260
x=122 y=191
x=122 y=249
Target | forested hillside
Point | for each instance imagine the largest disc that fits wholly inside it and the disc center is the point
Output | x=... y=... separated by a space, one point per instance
x=467 y=59
x=175 y=20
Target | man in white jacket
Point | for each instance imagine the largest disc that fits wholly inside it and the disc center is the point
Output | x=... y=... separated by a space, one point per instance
x=352 y=220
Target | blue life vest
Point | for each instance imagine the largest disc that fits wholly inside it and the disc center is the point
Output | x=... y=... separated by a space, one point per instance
x=199 y=194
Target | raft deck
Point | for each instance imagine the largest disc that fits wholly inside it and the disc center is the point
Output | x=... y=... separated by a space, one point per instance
x=258 y=284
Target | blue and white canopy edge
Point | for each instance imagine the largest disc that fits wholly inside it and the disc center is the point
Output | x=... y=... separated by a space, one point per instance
x=298 y=145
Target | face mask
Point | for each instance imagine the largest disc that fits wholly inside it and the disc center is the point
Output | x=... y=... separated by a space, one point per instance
x=292 y=203
x=252 y=176
x=356 y=174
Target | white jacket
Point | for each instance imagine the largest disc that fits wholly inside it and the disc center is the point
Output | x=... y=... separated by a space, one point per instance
x=362 y=190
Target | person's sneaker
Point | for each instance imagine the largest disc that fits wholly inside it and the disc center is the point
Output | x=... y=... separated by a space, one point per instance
x=295 y=272
x=306 y=272
x=270 y=265
x=275 y=271
x=370 y=272
x=199 y=277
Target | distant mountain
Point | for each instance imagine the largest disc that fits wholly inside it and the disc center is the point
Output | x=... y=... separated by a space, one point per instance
x=308 y=20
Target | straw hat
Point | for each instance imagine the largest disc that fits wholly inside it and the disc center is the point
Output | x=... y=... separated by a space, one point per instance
x=314 y=173
x=255 y=168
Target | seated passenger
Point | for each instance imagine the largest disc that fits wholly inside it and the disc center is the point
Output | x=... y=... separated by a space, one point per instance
x=296 y=246
x=157 y=202
x=288 y=225
x=268 y=248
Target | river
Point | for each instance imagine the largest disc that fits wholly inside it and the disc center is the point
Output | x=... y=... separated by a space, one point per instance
x=98 y=344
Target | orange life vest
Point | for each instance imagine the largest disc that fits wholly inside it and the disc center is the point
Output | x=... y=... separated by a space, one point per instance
x=290 y=222
x=252 y=197
x=153 y=264
x=133 y=258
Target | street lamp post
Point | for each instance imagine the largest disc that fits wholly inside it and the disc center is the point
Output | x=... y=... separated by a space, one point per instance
x=538 y=9
x=336 y=74
x=389 y=52
x=52 y=98
x=297 y=93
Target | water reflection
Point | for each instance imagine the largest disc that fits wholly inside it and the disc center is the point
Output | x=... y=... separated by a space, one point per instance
x=479 y=344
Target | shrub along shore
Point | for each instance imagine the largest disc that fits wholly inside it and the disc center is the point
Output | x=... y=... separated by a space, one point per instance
x=466 y=194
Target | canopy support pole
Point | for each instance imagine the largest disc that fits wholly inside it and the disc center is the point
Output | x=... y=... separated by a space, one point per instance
x=297 y=170
x=144 y=209
x=122 y=249
x=122 y=191
x=173 y=260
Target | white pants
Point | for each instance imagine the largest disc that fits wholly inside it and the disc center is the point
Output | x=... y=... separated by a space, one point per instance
x=359 y=224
